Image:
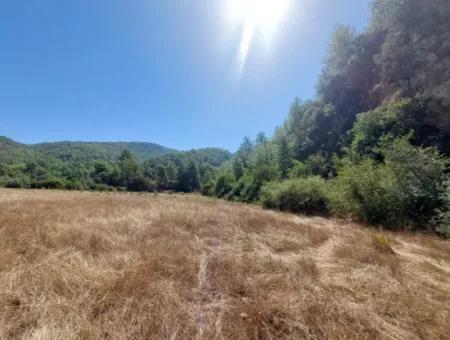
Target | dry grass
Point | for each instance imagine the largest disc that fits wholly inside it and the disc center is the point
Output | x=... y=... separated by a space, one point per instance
x=130 y=266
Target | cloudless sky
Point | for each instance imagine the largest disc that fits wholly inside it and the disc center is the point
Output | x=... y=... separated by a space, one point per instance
x=159 y=71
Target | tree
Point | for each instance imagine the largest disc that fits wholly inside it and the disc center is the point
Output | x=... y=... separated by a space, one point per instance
x=161 y=178
x=188 y=178
x=284 y=156
x=238 y=168
x=261 y=138
x=129 y=168
x=244 y=152
x=224 y=185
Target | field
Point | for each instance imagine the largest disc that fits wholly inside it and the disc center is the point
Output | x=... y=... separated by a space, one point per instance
x=141 y=266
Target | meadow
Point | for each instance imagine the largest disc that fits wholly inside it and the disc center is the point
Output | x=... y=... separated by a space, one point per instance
x=81 y=265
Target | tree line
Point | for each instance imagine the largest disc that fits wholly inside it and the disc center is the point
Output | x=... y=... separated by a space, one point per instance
x=176 y=171
x=373 y=145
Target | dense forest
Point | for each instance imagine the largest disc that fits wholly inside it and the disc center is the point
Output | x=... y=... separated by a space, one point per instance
x=373 y=145
x=106 y=166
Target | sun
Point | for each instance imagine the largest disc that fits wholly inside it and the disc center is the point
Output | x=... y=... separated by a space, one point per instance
x=262 y=15
x=256 y=16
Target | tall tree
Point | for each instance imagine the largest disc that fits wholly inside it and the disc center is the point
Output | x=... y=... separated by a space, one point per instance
x=129 y=168
x=284 y=156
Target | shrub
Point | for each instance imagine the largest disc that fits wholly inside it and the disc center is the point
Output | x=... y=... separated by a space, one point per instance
x=371 y=126
x=420 y=176
x=317 y=165
x=404 y=191
x=140 y=183
x=442 y=219
x=307 y=195
x=298 y=170
x=49 y=183
x=100 y=187
x=248 y=187
x=365 y=191
x=16 y=182
x=207 y=188
x=224 y=185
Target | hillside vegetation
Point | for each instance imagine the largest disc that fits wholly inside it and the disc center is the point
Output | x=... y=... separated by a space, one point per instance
x=14 y=152
x=377 y=132
x=106 y=166
x=143 y=266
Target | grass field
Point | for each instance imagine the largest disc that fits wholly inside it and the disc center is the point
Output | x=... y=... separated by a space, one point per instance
x=140 y=266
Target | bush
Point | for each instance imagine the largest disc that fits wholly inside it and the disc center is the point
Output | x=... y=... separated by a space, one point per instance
x=372 y=126
x=365 y=191
x=16 y=182
x=100 y=187
x=49 y=183
x=306 y=195
x=442 y=219
x=404 y=191
x=207 y=188
x=224 y=185
x=248 y=187
x=420 y=176
x=317 y=165
x=298 y=170
x=140 y=183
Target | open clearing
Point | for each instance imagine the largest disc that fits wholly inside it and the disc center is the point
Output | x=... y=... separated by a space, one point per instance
x=142 y=266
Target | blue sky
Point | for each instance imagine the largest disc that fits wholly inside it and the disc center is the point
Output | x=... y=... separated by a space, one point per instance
x=161 y=71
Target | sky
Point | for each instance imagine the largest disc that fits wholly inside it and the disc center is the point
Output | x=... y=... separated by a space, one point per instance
x=163 y=71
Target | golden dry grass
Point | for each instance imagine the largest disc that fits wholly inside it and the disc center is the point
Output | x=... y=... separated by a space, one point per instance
x=140 y=266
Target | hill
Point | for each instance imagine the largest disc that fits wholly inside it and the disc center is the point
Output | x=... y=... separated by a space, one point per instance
x=100 y=151
x=78 y=151
x=142 y=266
x=12 y=151
x=106 y=166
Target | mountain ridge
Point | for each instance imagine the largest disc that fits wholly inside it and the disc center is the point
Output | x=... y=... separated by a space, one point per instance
x=12 y=150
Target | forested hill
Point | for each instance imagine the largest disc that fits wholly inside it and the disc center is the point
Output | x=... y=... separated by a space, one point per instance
x=12 y=151
x=107 y=151
x=79 y=151
x=106 y=166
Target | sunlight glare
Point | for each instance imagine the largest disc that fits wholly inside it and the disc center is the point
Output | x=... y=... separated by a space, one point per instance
x=257 y=16
x=264 y=15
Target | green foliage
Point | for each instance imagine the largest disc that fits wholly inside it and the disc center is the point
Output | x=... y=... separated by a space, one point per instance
x=306 y=195
x=105 y=166
x=403 y=191
x=298 y=170
x=208 y=188
x=366 y=191
x=442 y=219
x=248 y=187
x=140 y=183
x=188 y=178
x=317 y=165
x=129 y=169
x=49 y=183
x=91 y=151
x=224 y=185
x=371 y=126
x=283 y=156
